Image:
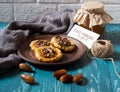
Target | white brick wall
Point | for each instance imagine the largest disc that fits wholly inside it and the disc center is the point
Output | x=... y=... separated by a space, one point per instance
x=6 y=12
x=58 y=1
x=29 y=9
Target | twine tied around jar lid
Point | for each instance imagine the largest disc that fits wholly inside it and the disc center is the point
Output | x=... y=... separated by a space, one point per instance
x=92 y=16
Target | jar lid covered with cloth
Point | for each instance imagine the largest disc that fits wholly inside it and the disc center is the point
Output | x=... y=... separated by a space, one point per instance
x=92 y=16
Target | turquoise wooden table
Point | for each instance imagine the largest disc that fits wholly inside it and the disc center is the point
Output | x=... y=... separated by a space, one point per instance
x=99 y=74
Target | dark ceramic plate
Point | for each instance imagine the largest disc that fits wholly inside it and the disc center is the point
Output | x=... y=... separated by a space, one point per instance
x=27 y=54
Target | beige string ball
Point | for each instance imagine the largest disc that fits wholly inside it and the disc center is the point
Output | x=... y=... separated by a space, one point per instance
x=102 y=48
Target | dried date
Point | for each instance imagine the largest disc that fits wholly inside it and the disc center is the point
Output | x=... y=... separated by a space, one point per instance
x=25 y=67
x=27 y=78
x=57 y=74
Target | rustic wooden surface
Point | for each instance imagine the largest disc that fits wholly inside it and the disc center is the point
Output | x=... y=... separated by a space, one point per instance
x=99 y=74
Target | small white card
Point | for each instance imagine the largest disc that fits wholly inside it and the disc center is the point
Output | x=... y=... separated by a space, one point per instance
x=85 y=36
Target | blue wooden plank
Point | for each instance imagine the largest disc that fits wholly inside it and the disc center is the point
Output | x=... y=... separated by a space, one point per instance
x=48 y=83
x=2 y=25
x=9 y=81
x=97 y=75
x=21 y=85
x=113 y=33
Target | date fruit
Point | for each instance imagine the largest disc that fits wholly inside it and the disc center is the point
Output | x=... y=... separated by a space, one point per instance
x=25 y=67
x=66 y=78
x=57 y=74
x=27 y=78
x=78 y=78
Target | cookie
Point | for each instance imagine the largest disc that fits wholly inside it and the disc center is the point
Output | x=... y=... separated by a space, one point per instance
x=48 y=54
x=38 y=43
x=62 y=43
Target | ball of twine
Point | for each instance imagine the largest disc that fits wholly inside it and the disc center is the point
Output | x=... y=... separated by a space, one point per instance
x=102 y=48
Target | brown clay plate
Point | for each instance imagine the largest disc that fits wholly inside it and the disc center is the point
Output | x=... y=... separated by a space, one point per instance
x=26 y=53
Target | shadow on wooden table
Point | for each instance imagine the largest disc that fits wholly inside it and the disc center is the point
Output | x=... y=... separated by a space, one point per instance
x=82 y=62
x=10 y=73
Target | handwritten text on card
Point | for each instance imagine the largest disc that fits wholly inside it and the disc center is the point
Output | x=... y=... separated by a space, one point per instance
x=85 y=36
